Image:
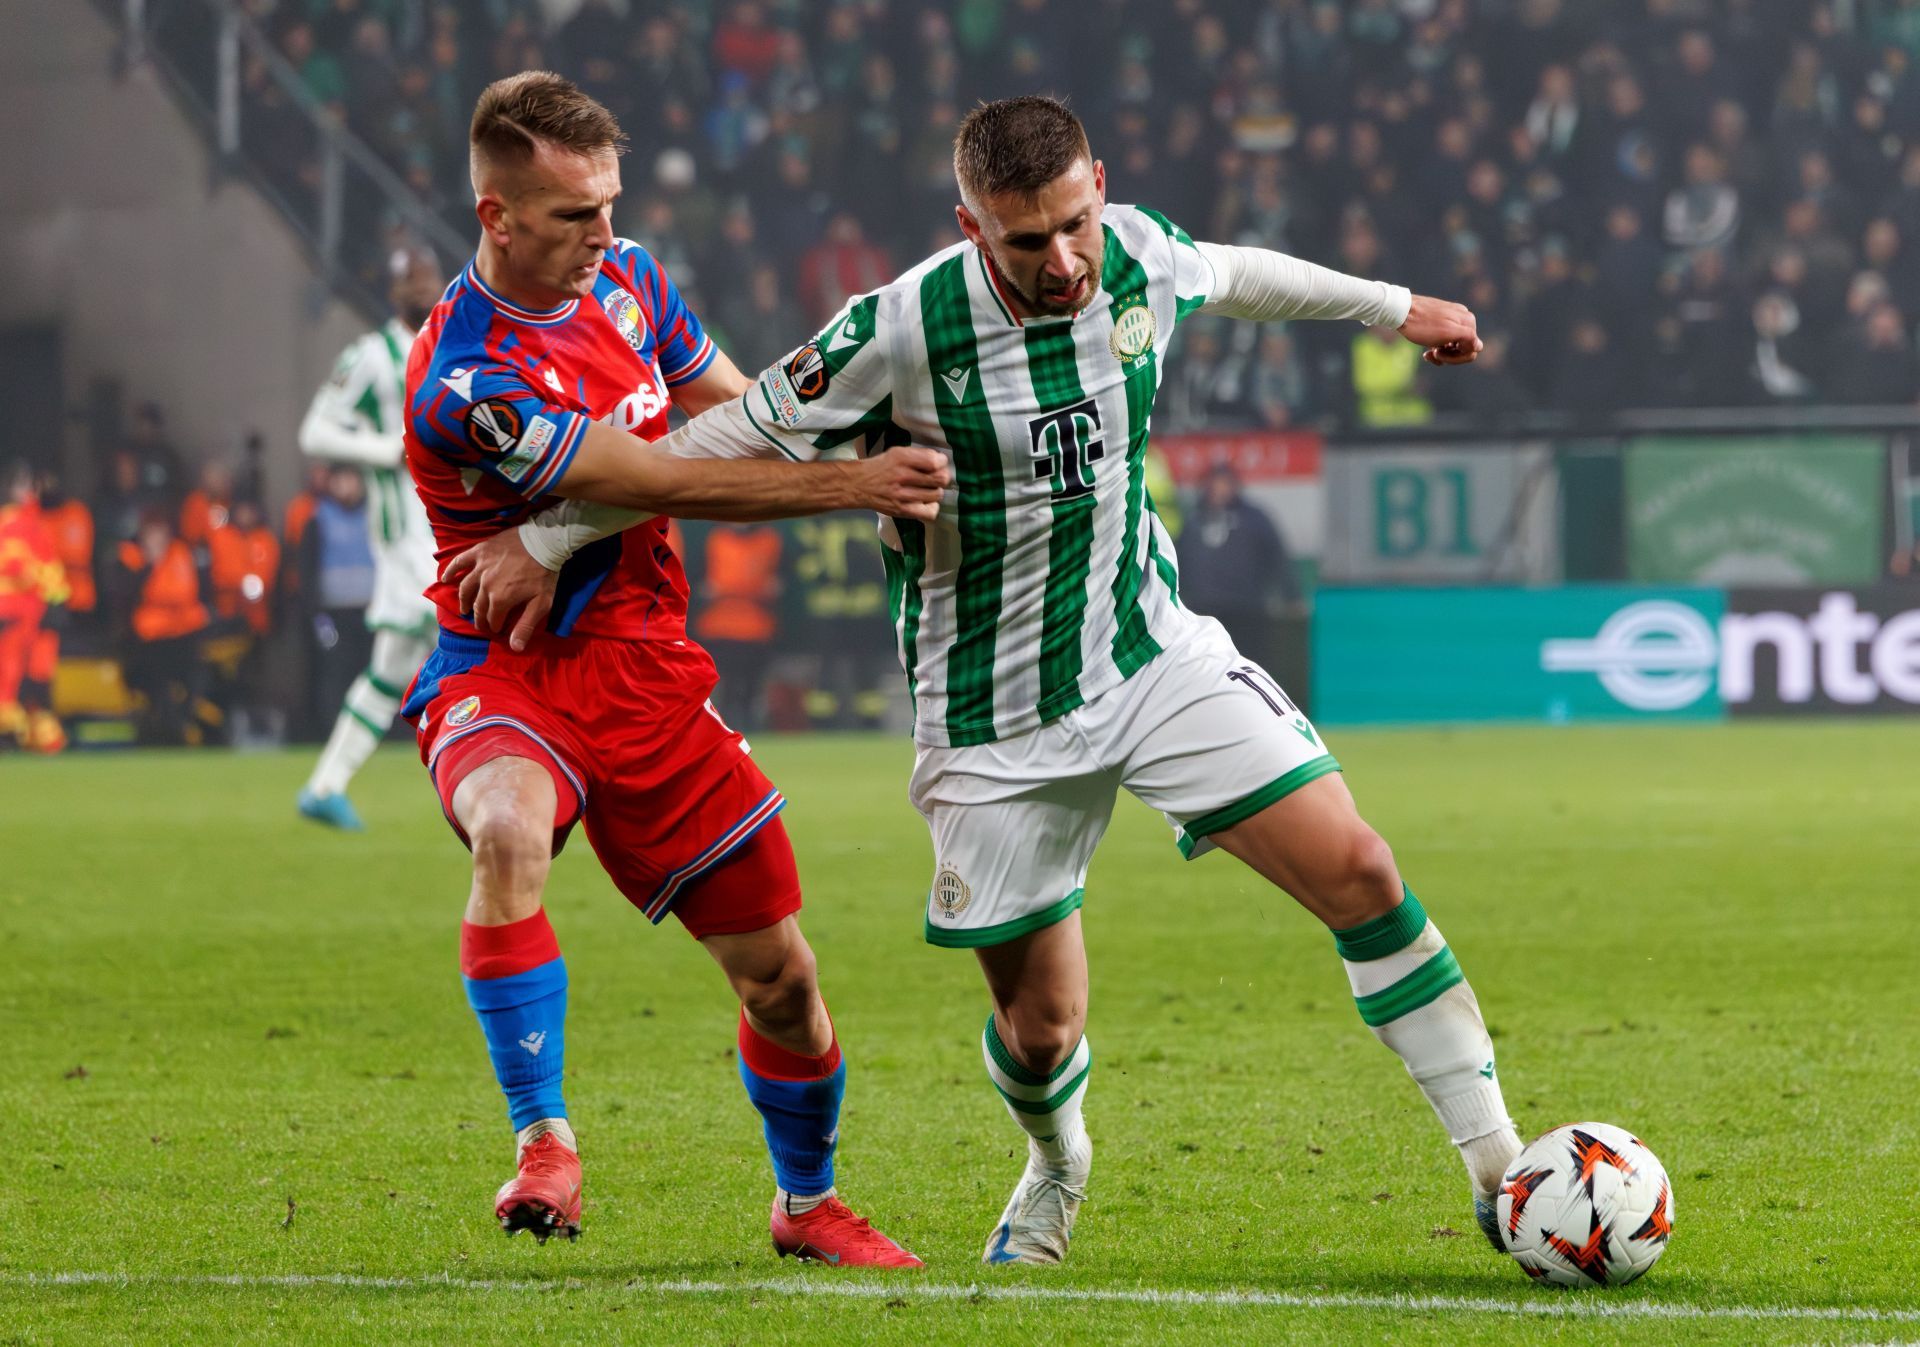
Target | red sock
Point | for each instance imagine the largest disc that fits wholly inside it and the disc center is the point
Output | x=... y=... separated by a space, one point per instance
x=770 y=1061
x=501 y=951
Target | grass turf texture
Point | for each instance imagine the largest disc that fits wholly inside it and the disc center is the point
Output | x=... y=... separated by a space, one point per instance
x=237 y=1047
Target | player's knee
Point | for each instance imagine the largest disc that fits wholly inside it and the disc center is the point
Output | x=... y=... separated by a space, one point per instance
x=511 y=852
x=1043 y=1035
x=782 y=993
x=1367 y=883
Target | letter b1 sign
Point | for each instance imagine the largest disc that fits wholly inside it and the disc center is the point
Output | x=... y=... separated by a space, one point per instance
x=1467 y=514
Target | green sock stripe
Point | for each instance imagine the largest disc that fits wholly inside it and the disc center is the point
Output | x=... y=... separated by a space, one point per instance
x=377 y=731
x=1416 y=989
x=1053 y=1101
x=1384 y=935
x=384 y=689
x=1017 y=1073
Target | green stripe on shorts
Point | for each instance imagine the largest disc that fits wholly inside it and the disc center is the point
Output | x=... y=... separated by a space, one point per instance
x=1219 y=820
x=1006 y=930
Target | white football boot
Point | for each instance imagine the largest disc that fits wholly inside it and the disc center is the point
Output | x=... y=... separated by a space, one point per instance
x=1038 y=1220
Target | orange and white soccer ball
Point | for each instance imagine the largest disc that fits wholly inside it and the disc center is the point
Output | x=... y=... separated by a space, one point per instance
x=1586 y=1205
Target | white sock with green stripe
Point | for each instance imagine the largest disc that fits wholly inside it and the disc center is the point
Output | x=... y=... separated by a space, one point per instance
x=1411 y=993
x=1047 y=1107
x=369 y=708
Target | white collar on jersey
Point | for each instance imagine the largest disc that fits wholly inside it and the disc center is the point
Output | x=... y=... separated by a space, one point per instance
x=532 y=317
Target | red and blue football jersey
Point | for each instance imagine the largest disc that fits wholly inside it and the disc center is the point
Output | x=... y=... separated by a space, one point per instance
x=498 y=400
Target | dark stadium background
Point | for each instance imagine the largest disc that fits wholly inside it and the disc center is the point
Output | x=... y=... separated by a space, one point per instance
x=1690 y=230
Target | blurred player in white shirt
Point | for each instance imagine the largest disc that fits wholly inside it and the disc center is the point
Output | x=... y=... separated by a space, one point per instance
x=356 y=418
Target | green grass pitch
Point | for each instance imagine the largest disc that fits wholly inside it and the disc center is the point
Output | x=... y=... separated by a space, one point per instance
x=236 y=1048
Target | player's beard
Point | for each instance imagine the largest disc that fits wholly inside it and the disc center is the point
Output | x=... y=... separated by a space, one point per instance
x=1044 y=306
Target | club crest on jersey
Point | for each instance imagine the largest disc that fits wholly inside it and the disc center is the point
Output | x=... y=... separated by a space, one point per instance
x=624 y=310
x=806 y=371
x=463 y=711
x=493 y=426
x=950 y=892
x=1133 y=330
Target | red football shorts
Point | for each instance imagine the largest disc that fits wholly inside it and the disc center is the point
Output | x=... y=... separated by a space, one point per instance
x=680 y=816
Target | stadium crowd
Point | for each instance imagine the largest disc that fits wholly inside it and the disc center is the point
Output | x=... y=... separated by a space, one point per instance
x=1655 y=202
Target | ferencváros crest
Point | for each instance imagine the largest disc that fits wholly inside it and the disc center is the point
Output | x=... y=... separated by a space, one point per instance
x=1133 y=329
x=950 y=892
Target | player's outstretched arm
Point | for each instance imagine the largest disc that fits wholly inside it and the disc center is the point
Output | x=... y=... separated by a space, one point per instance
x=516 y=569
x=613 y=468
x=1264 y=285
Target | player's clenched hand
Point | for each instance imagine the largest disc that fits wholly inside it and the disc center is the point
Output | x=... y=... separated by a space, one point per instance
x=906 y=482
x=498 y=576
x=1446 y=329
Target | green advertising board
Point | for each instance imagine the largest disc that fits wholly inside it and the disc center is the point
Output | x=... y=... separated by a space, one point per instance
x=1580 y=652
x=1772 y=510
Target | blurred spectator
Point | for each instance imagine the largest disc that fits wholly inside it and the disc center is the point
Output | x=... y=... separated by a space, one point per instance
x=70 y=523
x=1704 y=211
x=1876 y=361
x=1782 y=356
x=1283 y=394
x=841 y=264
x=734 y=614
x=32 y=590
x=1234 y=565
x=207 y=506
x=166 y=617
x=340 y=562
x=1386 y=381
x=244 y=567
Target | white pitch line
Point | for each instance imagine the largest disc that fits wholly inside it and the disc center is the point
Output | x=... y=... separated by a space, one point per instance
x=1551 y=1305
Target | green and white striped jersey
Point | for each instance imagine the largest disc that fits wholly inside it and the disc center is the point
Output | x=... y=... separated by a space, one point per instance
x=1047 y=577
x=356 y=417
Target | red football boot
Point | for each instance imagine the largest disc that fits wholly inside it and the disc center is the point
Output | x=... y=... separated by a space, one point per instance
x=832 y=1233
x=544 y=1196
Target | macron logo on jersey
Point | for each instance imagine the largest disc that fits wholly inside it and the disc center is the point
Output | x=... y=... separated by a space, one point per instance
x=553 y=380
x=844 y=335
x=461 y=382
x=534 y=1042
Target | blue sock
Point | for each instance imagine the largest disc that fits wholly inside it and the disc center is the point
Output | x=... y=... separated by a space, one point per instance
x=522 y=1008
x=799 y=1102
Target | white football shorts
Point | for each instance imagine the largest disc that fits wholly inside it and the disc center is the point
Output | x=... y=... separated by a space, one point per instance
x=402 y=570
x=1202 y=734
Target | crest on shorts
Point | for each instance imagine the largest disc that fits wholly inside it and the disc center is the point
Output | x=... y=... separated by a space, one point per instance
x=1133 y=330
x=950 y=892
x=463 y=710
x=624 y=310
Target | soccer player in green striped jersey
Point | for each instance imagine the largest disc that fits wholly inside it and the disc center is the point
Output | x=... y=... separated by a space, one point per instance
x=356 y=418
x=1039 y=622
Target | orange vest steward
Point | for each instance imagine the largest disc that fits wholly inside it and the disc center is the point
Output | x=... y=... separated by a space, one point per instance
x=299 y=514
x=71 y=524
x=236 y=554
x=743 y=579
x=200 y=515
x=170 y=597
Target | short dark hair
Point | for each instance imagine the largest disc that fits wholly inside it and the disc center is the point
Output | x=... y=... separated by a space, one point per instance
x=517 y=112
x=1016 y=145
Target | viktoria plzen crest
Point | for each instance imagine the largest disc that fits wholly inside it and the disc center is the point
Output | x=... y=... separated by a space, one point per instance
x=624 y=310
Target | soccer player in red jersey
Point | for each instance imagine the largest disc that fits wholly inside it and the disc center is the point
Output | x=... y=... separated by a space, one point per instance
x=543 y=372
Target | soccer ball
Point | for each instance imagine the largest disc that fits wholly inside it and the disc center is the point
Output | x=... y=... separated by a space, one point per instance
x=1586 y=1205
